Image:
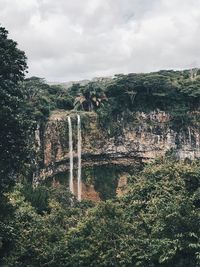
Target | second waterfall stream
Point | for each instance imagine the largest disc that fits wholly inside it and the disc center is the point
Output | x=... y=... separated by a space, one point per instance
x=71 y=157
x=79 y=155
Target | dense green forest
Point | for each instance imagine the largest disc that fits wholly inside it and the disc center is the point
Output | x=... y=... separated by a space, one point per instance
x=156 y=223
x=174 y=91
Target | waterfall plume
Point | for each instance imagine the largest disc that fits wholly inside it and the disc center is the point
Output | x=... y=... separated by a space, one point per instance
x=71 y=183
x=79 y=155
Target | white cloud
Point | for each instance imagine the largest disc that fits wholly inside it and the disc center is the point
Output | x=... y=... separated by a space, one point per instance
x=69 y=40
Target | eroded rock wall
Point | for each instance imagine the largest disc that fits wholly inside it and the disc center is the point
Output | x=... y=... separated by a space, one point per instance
x=146 y=137
x=143 y=138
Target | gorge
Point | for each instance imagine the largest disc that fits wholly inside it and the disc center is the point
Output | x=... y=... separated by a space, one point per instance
x=115 y=126
x=104 y=173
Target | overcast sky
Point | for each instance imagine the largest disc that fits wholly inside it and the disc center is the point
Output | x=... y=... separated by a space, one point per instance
x=79 y=39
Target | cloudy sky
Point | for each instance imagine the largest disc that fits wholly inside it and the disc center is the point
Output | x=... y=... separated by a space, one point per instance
x=80 y=39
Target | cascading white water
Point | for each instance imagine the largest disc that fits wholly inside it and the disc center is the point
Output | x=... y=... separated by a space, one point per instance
x=37 y=138
x=71 y=183
x=189 y=136
x=79 y=155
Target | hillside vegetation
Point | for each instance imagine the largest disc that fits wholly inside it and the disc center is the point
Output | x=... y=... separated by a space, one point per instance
x=176 y=92
x=155 y=224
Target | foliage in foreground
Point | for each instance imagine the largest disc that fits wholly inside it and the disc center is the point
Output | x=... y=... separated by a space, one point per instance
x=14 y=125
x=16 y=128
x=37 y=231
x=156 y=224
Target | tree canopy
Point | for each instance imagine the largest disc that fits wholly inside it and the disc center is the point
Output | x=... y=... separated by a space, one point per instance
x=157 y=223
x=14 y=123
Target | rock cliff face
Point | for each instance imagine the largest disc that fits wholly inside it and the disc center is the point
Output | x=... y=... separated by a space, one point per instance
x=143 y=138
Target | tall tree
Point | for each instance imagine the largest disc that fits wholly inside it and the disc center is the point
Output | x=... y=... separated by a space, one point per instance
x=14 y=124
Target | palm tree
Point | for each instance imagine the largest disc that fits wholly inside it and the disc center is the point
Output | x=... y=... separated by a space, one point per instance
x=90 y=98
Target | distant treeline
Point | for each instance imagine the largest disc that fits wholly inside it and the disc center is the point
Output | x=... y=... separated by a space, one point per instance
x=176 y=92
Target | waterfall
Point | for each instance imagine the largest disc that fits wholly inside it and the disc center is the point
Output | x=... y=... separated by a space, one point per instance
x=37 y=138
x=71 y=184
x=79 y=155
x=36 y=159
x=189 y=136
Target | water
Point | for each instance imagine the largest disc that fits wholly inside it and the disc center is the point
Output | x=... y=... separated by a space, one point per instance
x=79 y=155
x=37 y=138
x=37 y=150
x=189 y=136
x=71 y=183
